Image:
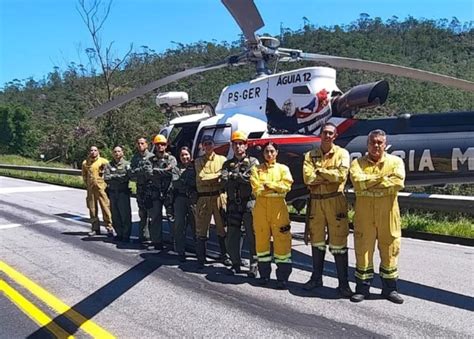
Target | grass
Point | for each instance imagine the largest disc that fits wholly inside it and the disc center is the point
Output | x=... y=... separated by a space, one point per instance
x=59 y=179
x=421 y=221
x=457 y=225
x=437 y=223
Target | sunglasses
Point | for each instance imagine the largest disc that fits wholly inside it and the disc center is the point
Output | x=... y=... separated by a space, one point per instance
x=161 y=144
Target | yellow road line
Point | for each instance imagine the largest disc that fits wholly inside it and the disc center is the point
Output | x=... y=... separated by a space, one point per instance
x=33 y=312
x=85 y=324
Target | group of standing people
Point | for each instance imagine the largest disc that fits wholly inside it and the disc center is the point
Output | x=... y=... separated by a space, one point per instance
x=246 y=199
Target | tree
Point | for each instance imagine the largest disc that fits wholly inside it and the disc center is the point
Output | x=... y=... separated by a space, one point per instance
x=94 y=14
x=14 y=128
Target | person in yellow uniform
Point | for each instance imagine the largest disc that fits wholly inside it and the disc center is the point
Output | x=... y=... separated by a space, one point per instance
x=325 y=171
x=210 y=200
x=377 y=177
x=93 y=169
x=271 y=182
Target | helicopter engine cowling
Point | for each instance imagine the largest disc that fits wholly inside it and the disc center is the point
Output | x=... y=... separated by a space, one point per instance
x=361 y=96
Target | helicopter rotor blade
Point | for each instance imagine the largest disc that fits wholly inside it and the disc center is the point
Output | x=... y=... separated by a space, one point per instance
x=247 y=16
x=381 y=67
x=120 y=100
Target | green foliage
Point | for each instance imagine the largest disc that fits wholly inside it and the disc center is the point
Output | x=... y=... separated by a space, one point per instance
x=58 y=179
x=14 y=129
x=438 y=223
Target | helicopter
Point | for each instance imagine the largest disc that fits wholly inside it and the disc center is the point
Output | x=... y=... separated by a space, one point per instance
x=289 y=108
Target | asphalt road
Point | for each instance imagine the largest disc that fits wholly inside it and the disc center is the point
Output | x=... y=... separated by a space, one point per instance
x=127 y=292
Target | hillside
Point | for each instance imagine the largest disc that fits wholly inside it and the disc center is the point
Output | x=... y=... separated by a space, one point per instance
x=47 y=117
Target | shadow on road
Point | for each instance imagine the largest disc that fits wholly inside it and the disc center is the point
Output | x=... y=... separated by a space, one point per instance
x=103 y=297
x=302 y=261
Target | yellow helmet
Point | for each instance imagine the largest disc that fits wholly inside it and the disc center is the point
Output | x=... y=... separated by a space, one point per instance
x=238 y=135
x=159 y=139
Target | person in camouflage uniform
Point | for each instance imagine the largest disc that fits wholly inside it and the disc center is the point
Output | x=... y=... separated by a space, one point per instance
x=163 y=170
x=185 y=198
x=117 y=178
x=140 y=169
x=240 y=202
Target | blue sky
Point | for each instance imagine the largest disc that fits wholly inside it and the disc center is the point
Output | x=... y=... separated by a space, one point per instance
x=37 y=35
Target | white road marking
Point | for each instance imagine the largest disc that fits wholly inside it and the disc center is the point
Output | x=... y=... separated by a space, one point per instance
x=47 y=221
x=40 y=222
x=2 y=227
x=31 y=189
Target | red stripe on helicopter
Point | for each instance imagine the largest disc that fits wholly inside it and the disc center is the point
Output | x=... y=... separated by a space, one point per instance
x=303 y=139
x=344 y=126
x=285 y=141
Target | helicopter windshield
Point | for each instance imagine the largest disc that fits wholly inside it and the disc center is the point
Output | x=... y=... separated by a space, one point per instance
x=220 y=134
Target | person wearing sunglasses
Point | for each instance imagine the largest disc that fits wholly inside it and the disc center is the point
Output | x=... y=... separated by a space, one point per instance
x=210 y=200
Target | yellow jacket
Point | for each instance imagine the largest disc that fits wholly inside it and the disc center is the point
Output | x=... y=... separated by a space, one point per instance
x=326 y=173
x=93 y=172
x=383 y=178
x=208 y=172
x=271 y=180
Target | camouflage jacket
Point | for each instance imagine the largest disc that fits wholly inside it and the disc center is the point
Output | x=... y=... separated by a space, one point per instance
x=236 y=178
x=140 y=167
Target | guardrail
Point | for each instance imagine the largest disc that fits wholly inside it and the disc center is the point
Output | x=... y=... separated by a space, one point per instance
x=432 y=202
x=54 y=170
x=424 y=201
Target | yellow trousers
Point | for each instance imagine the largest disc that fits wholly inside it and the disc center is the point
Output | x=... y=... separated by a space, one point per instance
x=330 y=213
x=206 y=208
x=97 y=196
x=377 y=218
x=271 y=219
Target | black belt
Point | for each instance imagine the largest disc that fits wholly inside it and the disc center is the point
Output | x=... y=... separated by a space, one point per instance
x=324 y=196
x=208 y=194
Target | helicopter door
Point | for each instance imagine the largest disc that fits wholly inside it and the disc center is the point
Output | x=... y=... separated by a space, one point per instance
x=180 y=135
x=220 y=133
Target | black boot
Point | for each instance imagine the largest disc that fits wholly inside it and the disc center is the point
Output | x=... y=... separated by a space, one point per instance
x=283 y=273
x=342 y=263
x=362 y=290
x=201 y=251
x=389 y=291
x=224 y=256
x=264 y=269
x=316 y=279
x=252 y=273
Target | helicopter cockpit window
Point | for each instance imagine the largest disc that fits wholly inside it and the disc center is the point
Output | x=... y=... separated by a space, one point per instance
x=181 y=135
x=301 y=90
x=221 y=136
x=164 y=132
